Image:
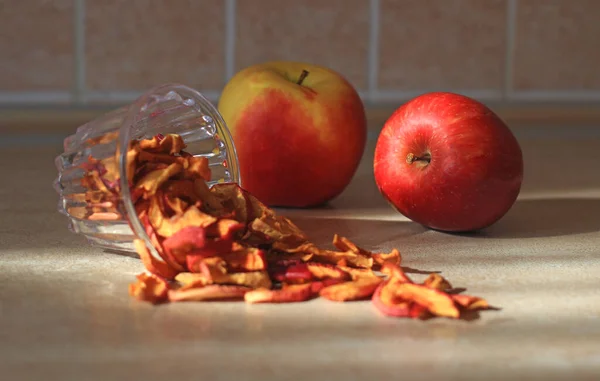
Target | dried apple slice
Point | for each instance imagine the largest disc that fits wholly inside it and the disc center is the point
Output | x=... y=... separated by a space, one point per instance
x=254 y=279
x=198 y=168
x=171 y=144
x=187 y=240
x=183 y=189
x=296 y=272
x=166 y=226
x=158 y=243
x=234 y=198
x=246 y=259
x=470 y=302
x=317 y=285
x=150 y=144
x=290 y=294
x=386 y=306
x=154 y=179
x=149 y=288
x=396 y=272
x=322 y=271
x=437 y=302
x=211 y=201
x=358 y=273
x=346 y=258
x=188 y=279
x=208 y=293
x=152 y=264
x=437 y=282
x=393 y=257
x=353 y=290
x=225 y=228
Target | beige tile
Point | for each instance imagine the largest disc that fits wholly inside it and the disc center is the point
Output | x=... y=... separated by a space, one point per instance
x=442 y=44
x=332 y=33
x=36 y=41
x=557 y=45
x=134 y=45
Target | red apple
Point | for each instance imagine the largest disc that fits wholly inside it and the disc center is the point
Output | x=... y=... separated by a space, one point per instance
x=299 y=131
x=448 y=162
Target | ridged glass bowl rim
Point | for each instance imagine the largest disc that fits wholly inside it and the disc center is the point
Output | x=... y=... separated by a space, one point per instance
x=133 y=116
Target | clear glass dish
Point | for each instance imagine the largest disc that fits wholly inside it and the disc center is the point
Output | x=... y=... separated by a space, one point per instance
x=165 y=109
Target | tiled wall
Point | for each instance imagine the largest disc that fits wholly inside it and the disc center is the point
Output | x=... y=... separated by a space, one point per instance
x=98 y=51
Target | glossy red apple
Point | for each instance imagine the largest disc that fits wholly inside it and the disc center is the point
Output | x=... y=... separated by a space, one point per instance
x=448 y=162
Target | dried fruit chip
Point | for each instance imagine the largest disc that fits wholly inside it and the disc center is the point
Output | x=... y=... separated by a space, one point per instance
x=152 y=264
x=289 y=294
x=391 y=257
x=437 y=302
x=246 y=259
x=233 y=198
x=149 y=288
x=395 y=272
x=206 y=293
x=192 y=279
x=387 y=306
x=322 y=271
x=166 y=226
x=254 y=279
x=225 y=228
x=353 y=290
x=437 y=282
x=470 y=302
x=358 y=273
x=296 y=272
x=317 y=285
x=198 y=168
x=171 y=144
x=153 y=180
x=345 y=258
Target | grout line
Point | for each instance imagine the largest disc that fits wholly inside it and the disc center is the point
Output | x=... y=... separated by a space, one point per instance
x=35 y=97
x=511 y=32
x=230 y=13
x=383 y=96
x=79 y=50
x=373 y=50
x=130 y=96
x=555 y=96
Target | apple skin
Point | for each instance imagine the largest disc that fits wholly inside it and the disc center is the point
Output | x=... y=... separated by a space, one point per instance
x=297 y=145
x=476 y=165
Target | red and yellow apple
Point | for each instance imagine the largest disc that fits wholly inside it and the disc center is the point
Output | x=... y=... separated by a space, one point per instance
x=448 y=162
x=299 y=130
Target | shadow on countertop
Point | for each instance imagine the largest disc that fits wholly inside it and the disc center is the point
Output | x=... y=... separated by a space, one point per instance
x=546 y=218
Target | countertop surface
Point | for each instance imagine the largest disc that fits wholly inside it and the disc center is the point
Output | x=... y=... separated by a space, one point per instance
x=65 y=313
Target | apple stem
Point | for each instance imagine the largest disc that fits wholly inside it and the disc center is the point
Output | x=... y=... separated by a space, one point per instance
x=411 y=158
x=303 y=76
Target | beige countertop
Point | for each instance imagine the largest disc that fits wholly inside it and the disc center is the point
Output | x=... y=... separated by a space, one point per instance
x=65 y=313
